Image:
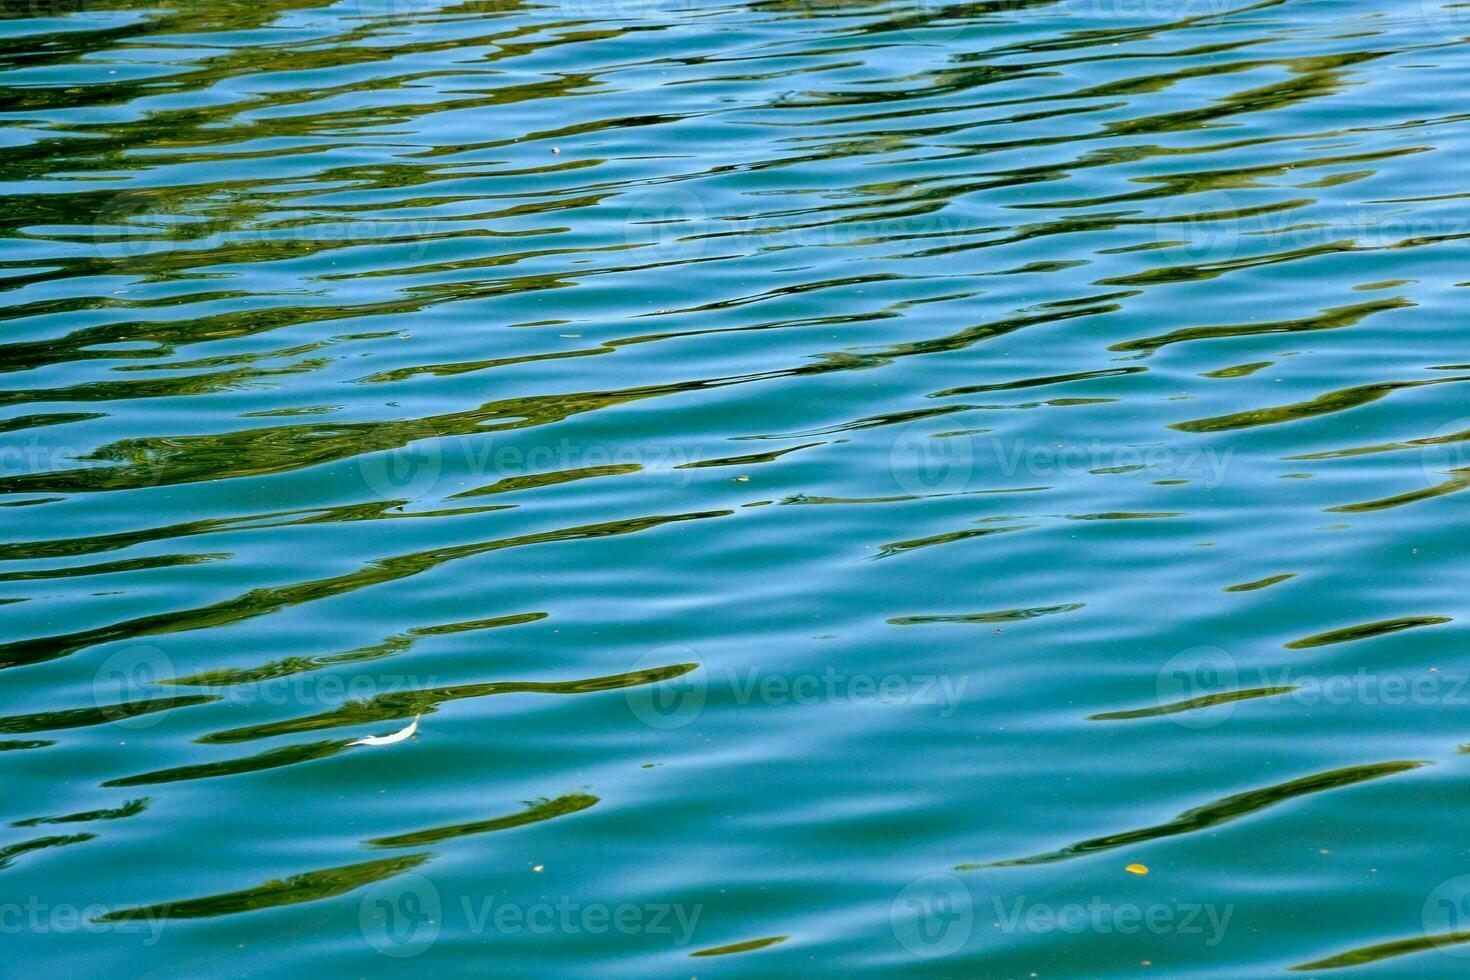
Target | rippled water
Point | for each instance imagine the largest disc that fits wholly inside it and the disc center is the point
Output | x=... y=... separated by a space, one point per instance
x=955 y=490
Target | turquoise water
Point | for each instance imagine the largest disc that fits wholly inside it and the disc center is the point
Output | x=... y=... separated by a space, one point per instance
x=918 y=489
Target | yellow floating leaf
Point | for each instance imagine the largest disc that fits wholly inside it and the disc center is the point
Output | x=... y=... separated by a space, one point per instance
x=1137 y=869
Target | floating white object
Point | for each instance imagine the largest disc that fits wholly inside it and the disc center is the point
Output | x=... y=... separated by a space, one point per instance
x=397 y=736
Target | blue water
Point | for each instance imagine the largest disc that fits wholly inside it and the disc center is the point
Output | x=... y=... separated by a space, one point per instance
x=911 y=489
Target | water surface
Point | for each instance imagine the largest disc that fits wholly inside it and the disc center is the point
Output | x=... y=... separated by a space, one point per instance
x=919 y=489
